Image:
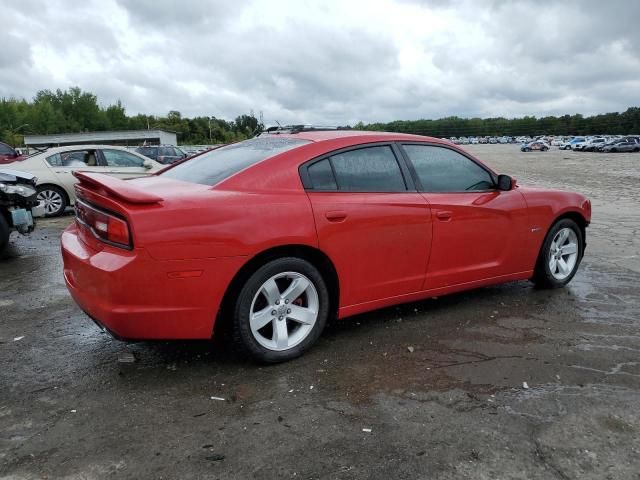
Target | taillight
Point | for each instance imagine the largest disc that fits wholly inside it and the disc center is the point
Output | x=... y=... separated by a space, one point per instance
x=103 y=225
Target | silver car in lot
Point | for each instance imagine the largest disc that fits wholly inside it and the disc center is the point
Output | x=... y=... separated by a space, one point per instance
x=622 y=146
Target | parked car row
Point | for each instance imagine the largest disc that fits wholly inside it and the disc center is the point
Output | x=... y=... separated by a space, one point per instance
x=478 y=140
x=630 y=143
x=191 y=226
x=594 y=143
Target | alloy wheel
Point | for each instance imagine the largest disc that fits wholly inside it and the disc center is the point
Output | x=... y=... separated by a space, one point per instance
x=284 y=311
x=51 y=200
x=563 y=253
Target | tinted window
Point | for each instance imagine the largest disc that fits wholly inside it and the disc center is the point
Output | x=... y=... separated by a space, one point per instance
x=166 y=152
x=444 y=170
x=321 y=176
x=372 y=169
x=6 y=150
x=118 y=158
x=213 y=167
x=151 y=152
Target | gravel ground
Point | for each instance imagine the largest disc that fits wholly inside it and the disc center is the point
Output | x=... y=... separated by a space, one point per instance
x=361 y=404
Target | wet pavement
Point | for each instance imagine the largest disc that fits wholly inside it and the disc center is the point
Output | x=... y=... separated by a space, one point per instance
x=496 y=383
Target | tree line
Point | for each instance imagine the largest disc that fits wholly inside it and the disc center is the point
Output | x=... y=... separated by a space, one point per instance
x=627 y=122
x=73 y=110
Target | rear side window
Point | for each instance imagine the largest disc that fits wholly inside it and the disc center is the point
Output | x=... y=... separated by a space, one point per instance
x=213 y=167
x=369 y=169
x=444 y=170
x=321 y=176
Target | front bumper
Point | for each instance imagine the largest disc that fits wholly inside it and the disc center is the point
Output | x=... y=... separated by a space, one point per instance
x=136 y=297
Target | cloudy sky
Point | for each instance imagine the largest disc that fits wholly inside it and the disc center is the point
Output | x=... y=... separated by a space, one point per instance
x=329 y=61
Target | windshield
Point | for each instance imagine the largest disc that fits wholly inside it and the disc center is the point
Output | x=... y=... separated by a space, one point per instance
x=213 y=167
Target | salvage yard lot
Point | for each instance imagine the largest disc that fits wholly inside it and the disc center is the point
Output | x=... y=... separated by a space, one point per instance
x=440 y=384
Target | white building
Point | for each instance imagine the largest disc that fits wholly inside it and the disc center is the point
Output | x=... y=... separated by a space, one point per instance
x=122 y=137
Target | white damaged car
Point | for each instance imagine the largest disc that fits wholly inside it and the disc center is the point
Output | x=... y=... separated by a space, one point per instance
x=54 y=169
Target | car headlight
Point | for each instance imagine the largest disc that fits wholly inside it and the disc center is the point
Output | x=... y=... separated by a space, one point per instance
x=22 y=190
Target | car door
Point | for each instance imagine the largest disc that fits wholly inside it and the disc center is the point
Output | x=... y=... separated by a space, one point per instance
x=478 y=230
x=370 y=221
x=123 y=164
x=64 y=163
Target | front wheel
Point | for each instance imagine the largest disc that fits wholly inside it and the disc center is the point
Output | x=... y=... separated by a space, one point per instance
x=281 y=310
x=53 y=200
x=560 y=255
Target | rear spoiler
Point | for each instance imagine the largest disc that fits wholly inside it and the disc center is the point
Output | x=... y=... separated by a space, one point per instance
x=116 y=187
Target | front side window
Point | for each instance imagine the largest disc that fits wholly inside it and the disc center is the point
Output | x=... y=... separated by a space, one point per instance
x=217 y=165
x=118 y=158
x=444 y=170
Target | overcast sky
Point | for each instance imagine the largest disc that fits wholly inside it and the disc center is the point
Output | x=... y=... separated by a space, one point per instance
x=328 y=61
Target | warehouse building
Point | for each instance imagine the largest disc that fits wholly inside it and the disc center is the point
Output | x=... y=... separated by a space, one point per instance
x=126 y=138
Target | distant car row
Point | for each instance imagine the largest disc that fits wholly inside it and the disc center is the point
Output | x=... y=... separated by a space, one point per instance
x=478 y=140
x=589 y=144
x=630 y=143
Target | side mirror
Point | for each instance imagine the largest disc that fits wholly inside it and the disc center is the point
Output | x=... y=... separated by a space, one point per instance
x=506 y=183
x=147 y=164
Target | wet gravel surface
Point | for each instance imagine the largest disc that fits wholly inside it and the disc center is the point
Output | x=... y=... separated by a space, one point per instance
x=362 y=404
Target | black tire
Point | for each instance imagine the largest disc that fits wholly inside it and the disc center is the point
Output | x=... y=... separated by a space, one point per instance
x=614 y=150
x=241 y=329
x=542 y=275
x=4 y=233
x=58 y=191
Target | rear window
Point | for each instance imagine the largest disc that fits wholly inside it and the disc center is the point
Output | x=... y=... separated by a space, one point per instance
x=213 y=167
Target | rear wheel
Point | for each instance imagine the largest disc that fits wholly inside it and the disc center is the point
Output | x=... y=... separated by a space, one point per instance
x=4 y=233
x=281 y=310
x=560 y=255
x=52 y=199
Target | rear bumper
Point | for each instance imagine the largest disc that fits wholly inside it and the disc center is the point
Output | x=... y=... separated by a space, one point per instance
x=136 y=297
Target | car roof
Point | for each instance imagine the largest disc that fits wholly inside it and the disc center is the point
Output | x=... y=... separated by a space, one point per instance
x=65 y=148
x=324 y=135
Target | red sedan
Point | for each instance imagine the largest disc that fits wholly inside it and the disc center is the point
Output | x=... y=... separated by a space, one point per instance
x=278 y=233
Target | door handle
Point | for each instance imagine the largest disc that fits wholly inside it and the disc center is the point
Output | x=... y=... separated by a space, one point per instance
x=336 y=215
x=444 y=215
